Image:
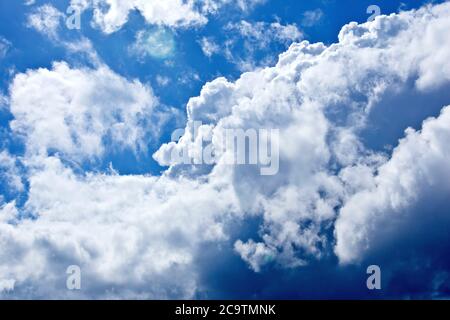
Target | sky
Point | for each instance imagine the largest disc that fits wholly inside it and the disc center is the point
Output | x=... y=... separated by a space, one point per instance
x=98 y=98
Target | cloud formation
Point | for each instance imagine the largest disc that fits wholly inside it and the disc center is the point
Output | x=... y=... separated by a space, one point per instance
x=336 y=194
x=75 y=110
x=324 y=155
x=111 y=15
x=399 y=196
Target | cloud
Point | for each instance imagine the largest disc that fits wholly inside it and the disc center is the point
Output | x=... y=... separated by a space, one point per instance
x=213 y=6
x=80 y=114
x=323 y=122
x=45 y=19
x=76 y=110
x=82 y=48
x=262 y=33
x=3 y=101
x=311 y=17
x=406 y=194
x=111 y=15
x=147 y=231
x=5 y=45
x=209 y=47
x=246 y=40
x=158 y=43
x=162 y=81
x=336 y=195
x=244 y=5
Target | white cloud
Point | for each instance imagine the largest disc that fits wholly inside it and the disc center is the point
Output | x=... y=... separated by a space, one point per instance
x=322 y=121
x=74 y=110
x=5 y=45
x=151 y=224
x=8 y=212
x=188 y=77
x=262 y=33
x=45 y=19
x=156 y=43
x=248 y=4
x=111 y=15
x=83 y=47
x=209 y=47
x=6 y=285
x=138 y=236
x=255 y=254
x=311 y=17
x=396 y=205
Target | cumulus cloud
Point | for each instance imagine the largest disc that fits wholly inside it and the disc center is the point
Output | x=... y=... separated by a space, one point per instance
x=75 y=110
x=3 y=101
x=111 y=15
x=244 y=5
x=400 y=195
x=162 y=81
x=335 y=193
x=323 y=120
x=213 y=6
x=147 y=232
x=261 y=33
x=76 y=115
x=311 y=17
x=10 y=172
x=48 y=20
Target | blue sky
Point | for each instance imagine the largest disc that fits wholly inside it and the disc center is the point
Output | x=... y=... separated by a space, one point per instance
x=186 y=65
x=86 y=115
